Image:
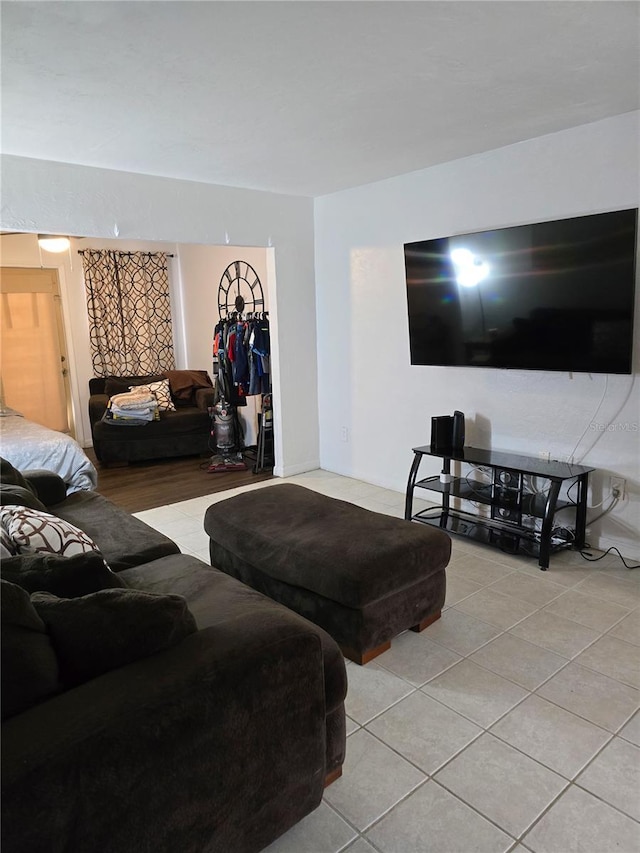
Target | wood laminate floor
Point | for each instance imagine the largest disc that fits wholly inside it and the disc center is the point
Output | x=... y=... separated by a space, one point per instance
x=145 y=485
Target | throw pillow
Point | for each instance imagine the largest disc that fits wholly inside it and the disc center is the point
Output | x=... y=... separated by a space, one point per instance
x=161 y=392
x=111 y=628
x=30 y=671
x=32 y=531
x=7 y=548
x=67 y=577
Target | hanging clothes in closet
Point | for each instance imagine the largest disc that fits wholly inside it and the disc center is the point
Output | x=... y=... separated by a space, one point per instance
x=241 y=349
x=259 y=356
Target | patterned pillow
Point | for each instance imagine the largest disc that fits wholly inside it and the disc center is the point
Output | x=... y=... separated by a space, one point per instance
x=7 y=548
x=161 y=391
x=32 y=531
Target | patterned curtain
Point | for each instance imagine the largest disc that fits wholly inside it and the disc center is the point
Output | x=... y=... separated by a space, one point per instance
x=130 y=328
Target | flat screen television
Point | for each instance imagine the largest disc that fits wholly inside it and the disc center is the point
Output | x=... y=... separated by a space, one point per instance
x=553 y=295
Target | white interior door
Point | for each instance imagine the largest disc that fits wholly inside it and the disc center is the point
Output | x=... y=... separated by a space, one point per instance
x=33 y=356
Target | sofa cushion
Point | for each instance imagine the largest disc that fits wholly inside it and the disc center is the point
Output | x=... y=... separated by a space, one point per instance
x=172 y=427
x=111 y=628
x=214 y=598
x=161 y=392
x=32 y=531
x=30 y=671
x=68 y=577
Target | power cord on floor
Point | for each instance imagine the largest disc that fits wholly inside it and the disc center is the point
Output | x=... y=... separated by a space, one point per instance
x=587 y=555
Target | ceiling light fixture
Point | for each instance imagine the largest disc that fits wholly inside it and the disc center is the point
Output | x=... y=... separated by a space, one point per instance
x=53 y=242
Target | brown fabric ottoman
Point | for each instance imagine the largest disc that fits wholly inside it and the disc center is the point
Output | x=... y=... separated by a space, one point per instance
x=362 y=576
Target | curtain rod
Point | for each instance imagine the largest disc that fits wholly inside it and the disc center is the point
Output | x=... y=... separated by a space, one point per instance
x=119 y=252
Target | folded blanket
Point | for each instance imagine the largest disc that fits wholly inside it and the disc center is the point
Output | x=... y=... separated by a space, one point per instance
x=131 y=417
x=183 y=383
x=133 y=399
x=146 y=413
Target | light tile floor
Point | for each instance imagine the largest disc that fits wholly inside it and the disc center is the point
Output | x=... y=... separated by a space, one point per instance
x=511 y=724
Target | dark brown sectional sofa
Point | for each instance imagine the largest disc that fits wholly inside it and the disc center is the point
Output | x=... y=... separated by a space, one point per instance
x=220 y=742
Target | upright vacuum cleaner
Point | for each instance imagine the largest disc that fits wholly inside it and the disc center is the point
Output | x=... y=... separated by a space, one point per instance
x=225 y=427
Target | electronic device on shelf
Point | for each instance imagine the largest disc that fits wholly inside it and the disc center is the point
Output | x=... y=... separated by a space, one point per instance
x=447 y=431
x=553 y=295
x=441 y=431
x=508 y=512
x=458 y=430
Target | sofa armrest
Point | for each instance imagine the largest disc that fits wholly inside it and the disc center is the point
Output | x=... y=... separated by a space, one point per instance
x=217 y=743
x=204 y=398
x=18 y=496
x=50 y=488
x=97 y=407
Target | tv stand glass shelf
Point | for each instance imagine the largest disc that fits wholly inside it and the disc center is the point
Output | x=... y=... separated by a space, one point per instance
x=511 y=511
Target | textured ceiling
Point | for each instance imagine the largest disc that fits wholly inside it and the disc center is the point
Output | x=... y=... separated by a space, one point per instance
x=305 y=97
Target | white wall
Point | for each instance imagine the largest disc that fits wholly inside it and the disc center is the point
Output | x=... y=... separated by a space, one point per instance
x=201 y=268
x=366 y=382
x=78 y=200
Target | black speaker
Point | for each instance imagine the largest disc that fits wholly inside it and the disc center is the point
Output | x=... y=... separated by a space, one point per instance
x=442 y=432
x=506 y=478
x=458 y=430
x=512 y=514
x=506 y=493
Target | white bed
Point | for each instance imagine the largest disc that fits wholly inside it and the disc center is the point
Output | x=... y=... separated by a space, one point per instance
x=29 y=445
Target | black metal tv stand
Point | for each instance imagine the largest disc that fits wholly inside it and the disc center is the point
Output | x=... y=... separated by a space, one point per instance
x=513 y=502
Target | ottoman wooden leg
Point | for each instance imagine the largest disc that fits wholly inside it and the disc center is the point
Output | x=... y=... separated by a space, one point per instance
x=426 y=622
x=364 y=657
x=331 y=777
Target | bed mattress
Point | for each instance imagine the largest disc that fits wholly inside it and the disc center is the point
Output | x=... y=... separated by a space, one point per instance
x=29 y=445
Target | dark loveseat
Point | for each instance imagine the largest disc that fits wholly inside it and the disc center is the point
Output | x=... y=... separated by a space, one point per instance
x=183 y=432
x=219 y=743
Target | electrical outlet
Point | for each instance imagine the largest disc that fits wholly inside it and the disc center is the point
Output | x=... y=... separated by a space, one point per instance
x=344 y=433
x=544 y=454
x=617 y=486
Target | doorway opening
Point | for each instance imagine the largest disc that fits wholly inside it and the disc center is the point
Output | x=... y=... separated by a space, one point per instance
x=33 y=353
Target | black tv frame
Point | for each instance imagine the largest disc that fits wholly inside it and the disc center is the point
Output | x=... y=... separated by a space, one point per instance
x=563 y=354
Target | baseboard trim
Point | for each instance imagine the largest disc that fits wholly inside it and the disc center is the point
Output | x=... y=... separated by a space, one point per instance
x=629 y=550
x=292 y=470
